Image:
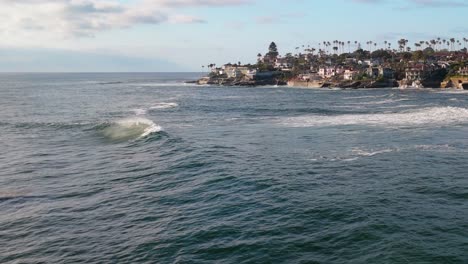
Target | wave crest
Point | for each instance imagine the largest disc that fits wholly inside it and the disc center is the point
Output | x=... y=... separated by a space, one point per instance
x=129 y=129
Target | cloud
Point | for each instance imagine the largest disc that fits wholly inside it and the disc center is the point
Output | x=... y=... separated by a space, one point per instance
x=71 y=18
x=409 y=4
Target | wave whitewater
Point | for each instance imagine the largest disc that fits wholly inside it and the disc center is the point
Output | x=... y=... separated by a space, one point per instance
x=421 y=117
x=129 y=129
x=164 y=106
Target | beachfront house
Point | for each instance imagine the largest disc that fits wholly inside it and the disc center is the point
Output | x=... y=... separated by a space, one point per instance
x=251 y=74
x=386 y=73
x=350 y=75
x=310 y=77
x=372 y=72
x=327 y=72
x=283 y=63
x=218 y=71
x=415 y=73
x=234 y=71
x=463 y=71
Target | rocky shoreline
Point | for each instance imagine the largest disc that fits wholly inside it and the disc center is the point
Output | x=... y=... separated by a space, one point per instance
x=238 y=81
x=231 y=82
x=345 y=84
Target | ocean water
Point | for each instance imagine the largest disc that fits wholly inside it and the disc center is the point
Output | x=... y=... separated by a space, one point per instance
x=141 y=168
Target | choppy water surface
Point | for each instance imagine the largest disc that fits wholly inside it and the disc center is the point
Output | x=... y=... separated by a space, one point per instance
x=120 y=168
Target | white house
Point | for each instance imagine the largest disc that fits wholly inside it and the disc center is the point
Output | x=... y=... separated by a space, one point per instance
x=283 y=63
x=350 y=75
x=327 y=72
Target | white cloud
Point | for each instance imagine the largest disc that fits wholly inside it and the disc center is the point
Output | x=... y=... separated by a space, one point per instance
x=53 y=19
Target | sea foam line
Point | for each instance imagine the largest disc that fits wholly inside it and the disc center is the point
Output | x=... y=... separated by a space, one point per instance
x=421 y=117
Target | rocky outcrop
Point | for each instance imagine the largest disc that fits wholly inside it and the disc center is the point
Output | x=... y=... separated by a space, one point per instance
x=343 y=84
x=241 y=81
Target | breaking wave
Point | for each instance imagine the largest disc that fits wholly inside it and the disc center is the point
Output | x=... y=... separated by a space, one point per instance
x=164 y=106
x=129 y=129
x=420 y=117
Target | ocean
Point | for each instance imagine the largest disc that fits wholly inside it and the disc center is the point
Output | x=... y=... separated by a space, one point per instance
x=142 y=168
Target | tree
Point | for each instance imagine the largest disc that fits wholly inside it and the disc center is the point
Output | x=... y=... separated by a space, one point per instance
x=381 y=54
x=273 y=50
x=418 y=55
x=402 y=44
x=452 y=41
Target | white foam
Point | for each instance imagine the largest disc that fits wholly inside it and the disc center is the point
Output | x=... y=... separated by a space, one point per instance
x=387 y=101
x=130 y=128
x=431 y=116
x=369 y=96
x=164 y=106
x=453 y=91
x=173 y=84
x=139 y=111
x=370 y=153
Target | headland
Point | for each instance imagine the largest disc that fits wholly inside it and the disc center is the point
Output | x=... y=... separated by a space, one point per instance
x=432 y=64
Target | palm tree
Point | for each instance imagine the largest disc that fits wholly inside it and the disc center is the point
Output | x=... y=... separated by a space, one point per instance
x=452 y=41
x=433 y=43
x=335 y=49
x=417 y=45
x=402 y=44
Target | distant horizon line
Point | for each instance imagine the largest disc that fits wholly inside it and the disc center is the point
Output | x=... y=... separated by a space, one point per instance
x=80 y=72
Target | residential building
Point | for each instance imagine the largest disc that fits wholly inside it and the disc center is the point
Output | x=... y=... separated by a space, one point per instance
x=386 y=73
x=372 y=72
x=283 y=63
x=463 y=71
x=350 y=75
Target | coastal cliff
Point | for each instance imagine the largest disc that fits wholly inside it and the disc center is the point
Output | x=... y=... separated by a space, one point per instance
x=343 y=84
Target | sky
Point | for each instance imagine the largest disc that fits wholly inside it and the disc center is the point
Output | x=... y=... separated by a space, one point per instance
x=183 y=35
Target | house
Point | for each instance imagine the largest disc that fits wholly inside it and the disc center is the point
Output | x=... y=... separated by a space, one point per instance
x=310 y=77
x=372 y=72
x=251 y=74
x=415 y=73
x=443 y=64
x=371 y=62
x=350 y=75
x=327 y=72
x=269 y=59
x=234 y=71
x=218 y=71
x=386 y=73
x=463 y=71
x=350 y=60
x=283 y=64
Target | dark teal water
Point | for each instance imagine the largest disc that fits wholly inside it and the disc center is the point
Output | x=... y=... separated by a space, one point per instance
x=139 y=168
